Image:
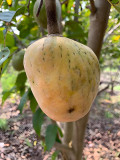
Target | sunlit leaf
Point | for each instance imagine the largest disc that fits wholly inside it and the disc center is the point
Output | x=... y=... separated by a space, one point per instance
x=4 y=53
x=7 y=16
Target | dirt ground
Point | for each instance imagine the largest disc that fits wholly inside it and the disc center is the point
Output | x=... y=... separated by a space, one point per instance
x=102 y=140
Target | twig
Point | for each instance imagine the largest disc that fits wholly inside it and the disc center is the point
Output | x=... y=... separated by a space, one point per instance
x=19 y=42
x=106 y=82
x=77 y=4
x=39 y=8
x=63 y=2
x=59 y=146
x=28 y=6
x=92 y=7
x=14 y=53
x=102 y=90
x=111 y=31
x=62 y=147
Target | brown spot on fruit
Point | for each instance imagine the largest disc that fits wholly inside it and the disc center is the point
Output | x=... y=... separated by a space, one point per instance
x=71 y=110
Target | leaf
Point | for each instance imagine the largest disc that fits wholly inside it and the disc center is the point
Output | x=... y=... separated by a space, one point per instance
x=44 y=146
x=5 y=64
x=7 y=16
x=21 y=79
x=20 y=11
x=51 y=133
x=3 y=124
x=23 y=101
x=28 y=143
x=0 y=2
x=33 y=102
x=60 y=131
x=4 y=54
x=10 y=41
x=35 y=143
x=114 y=1
x=54 y=155
x=38 y=118
x=20 y=82
x=6 y=94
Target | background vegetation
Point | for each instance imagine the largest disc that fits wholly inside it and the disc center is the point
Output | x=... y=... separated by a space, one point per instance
x=18 y=29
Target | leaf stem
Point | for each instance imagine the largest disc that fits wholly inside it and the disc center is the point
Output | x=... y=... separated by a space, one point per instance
x=52 y=24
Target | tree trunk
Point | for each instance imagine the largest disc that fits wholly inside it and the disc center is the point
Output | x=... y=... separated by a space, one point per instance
x=98 y=25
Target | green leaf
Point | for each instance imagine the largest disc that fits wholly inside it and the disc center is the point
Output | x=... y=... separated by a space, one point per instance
x=54 y=155
x=0 y=2
x=20 y=82
x=20 y=11
x=21 y=79
x=60 y=131
x=44 y=146
x=28 y=143
x=6 y=94
x=4 y=54
x=7 y=16
x=10 y=41
x=5 y=64
x=3 y=124
x=23 y=101
x=51 y=133
x=114 y=1
x=38 y=118
x=33 y=102
x=108 y=114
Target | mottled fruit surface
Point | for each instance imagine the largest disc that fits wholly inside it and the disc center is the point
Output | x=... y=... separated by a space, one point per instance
x=42 y=17
x=64 y=77
x=17 y=60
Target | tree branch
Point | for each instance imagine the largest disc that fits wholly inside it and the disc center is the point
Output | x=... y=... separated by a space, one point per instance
x=111 y=31
x=77 y=4
x=62 y=147
x=28 y=7
x=39 y=8
x=68 y=130
x=79 y=128
x=102 y=90
x=98 y=25
x=19 y=42
x=92 y=7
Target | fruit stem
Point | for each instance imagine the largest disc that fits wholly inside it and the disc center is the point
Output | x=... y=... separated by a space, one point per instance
x=52 y=24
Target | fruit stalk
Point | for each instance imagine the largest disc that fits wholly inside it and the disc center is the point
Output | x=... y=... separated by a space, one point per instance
x=52 y=24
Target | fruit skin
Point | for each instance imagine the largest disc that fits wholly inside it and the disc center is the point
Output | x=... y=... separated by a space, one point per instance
x=17 y=60
x=64 y=77
x=42 y=18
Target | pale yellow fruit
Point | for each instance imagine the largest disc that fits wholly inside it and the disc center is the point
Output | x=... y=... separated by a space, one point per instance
x=64 y=77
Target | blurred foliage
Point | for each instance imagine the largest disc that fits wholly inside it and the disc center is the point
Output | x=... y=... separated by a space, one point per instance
x=3 y=124
x=18 y=29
